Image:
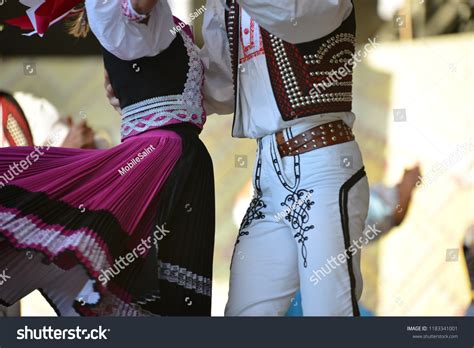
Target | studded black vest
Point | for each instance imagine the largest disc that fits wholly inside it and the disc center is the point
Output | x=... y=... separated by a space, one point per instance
x=309 y=78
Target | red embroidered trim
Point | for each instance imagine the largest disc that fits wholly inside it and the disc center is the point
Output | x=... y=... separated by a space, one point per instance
x=251 y=46
x=252 y=37
x=252 y=55
x=130 y=13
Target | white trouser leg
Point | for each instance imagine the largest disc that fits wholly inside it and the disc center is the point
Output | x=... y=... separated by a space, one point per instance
x=263 y=273
x=323 y=198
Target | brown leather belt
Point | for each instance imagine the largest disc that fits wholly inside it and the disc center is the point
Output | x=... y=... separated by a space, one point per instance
x=327 y=134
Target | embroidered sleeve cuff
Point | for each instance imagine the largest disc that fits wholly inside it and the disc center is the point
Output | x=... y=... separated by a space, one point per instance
x=130 y=13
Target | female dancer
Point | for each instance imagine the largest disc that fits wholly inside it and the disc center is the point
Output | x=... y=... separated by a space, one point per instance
x=127 y=231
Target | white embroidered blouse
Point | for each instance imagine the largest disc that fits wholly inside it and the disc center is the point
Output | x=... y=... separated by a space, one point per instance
x=129 y=36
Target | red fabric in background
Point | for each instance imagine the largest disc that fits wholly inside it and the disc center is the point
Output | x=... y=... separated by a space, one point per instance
x=49 y=11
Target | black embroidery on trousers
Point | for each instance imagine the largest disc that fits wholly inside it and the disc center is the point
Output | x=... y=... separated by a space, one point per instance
x=253 y=213
x=256 y=205
x=297 y=204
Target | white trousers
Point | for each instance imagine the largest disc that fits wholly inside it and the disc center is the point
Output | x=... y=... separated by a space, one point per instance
x=300 y=232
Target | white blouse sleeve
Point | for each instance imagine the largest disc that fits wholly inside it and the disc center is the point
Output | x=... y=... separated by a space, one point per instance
x=127 y=34
x=298 y=21
x=215 y=55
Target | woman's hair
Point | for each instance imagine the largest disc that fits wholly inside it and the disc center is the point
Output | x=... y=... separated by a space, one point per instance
x=78 y=25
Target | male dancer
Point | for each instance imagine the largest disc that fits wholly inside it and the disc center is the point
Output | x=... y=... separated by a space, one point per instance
x=288 y=78
x=291 y=64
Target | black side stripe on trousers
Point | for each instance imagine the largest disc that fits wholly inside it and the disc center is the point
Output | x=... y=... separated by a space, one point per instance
x=343 y=199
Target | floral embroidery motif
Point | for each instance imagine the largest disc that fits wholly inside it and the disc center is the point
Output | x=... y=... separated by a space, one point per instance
x=249 y=36
x=253 y=213
x=298 y=204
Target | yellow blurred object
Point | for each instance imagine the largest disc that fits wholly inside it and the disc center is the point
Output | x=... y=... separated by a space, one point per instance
x=429 y=82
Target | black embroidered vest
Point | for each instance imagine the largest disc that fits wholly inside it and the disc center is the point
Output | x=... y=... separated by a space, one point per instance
x=309 y=78
x=149 y=77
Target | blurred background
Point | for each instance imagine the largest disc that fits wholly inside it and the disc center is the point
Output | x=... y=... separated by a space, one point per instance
x=414 y=99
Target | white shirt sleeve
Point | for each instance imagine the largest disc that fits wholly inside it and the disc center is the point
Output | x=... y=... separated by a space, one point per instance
x=41 y=116
x=218 y=83
x=298 y=21
x=119 y=32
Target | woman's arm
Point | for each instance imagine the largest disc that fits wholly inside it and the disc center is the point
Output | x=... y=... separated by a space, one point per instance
x=144 y=6
x=122 y=31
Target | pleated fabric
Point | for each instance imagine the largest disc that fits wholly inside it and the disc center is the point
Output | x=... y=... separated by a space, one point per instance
x=73 y=218
x=185 y=257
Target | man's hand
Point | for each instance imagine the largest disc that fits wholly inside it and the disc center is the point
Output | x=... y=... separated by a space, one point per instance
x=405 y=190
x=110 y=93
x=80 y=135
